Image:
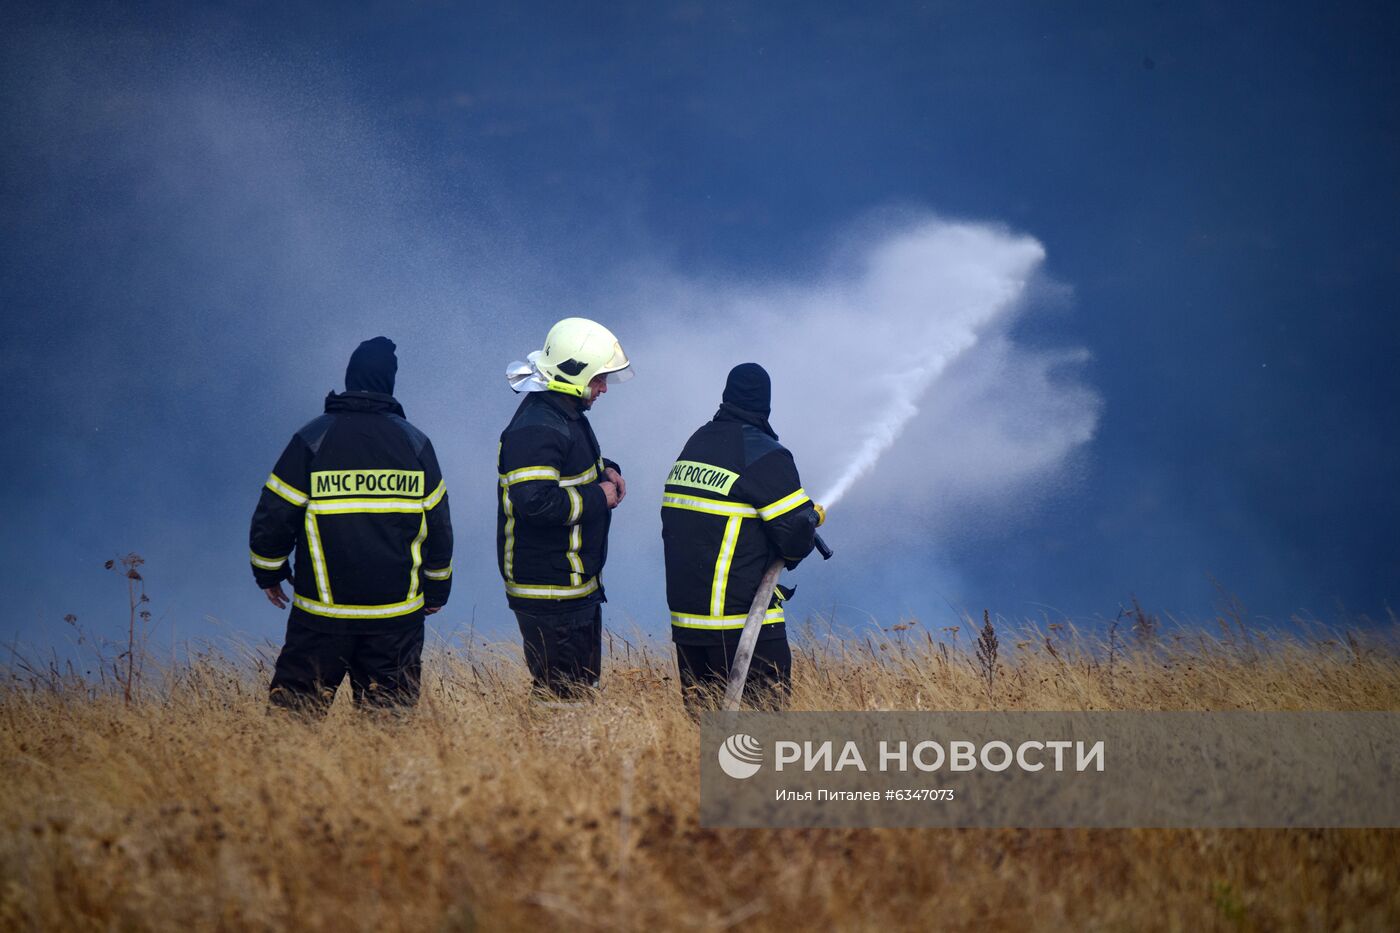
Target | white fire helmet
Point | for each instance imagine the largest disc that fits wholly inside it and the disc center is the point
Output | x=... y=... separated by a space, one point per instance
x=575 y=352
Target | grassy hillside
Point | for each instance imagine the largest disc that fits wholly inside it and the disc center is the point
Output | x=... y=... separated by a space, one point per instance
x=190 y=807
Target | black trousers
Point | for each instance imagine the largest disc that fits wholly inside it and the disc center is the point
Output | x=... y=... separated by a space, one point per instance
x=384 y=668
x=704 y=671
x=563 y=650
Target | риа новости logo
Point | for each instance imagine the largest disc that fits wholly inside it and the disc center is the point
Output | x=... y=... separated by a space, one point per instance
x=741 y=756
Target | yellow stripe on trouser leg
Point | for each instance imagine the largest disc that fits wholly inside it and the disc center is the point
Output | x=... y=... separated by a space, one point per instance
x=722 y=563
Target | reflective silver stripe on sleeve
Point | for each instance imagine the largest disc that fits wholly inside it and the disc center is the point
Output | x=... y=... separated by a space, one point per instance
x=266 y=563
x=287 y=491
x=784 y=505
x=435 y=496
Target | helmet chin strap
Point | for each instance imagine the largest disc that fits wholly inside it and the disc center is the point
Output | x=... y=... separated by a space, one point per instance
x=565 y=388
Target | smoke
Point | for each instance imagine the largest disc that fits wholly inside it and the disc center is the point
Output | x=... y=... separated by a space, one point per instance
x=898 y=378
x=197 y=246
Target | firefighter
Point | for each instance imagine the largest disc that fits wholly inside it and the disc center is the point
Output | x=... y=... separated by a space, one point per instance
x=359 y=499
x=733 y=505
x=555 y=497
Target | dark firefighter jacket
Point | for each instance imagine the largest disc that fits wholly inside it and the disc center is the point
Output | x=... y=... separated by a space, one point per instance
x=733 y=504
x=551 y=517
x=358 y=496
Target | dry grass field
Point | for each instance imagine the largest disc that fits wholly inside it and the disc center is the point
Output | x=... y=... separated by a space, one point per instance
x=191 y=808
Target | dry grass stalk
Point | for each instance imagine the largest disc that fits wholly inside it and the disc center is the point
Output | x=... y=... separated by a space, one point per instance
x=190 y=808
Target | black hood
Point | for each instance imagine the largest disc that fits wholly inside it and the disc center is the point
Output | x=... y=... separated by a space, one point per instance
x=749 y=388
x=728 y=412
x=373 y=367
x=371 y=402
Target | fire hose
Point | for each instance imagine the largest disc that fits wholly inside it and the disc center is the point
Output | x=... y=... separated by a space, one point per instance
x=743 y=654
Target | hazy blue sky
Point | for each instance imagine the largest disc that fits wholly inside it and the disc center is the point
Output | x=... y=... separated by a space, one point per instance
x=1182 y=220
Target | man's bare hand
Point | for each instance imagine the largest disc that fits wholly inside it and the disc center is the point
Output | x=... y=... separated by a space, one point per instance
x=614 y=477
x=276 y=596
x=610 y=493
x=430 y=610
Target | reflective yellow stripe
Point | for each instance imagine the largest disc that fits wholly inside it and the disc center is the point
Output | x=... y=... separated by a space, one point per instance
x=709 y=506
x=680 y=620
x=290 y=493
x=508 y=556
x=575 y=506
x=587 y=476
x=435 y=496
x=726 y=557
x=784 y=505
x=443 y=574
x=525 y=474
x=318 y=557
x=266 y=563
x=575 y=542
x=351 y=506
x=541 y=591
x=416 y=549
x=333 y=611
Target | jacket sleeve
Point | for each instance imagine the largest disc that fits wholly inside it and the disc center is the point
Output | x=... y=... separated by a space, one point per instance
x=437 y=547
x=278 y=519
x=789 y=520
x=529 y=466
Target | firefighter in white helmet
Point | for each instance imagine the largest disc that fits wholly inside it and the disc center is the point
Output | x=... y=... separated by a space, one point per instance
x=554 y=504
